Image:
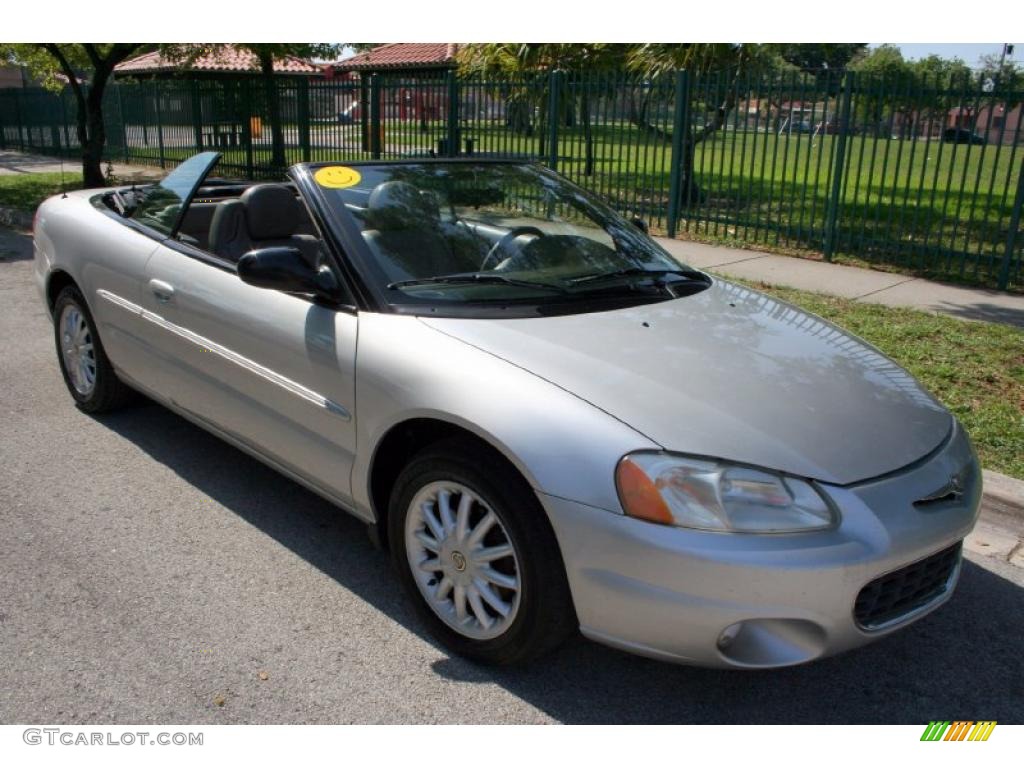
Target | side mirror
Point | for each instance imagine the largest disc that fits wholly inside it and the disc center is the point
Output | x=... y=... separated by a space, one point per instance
x=284 y=268
x=639 y=223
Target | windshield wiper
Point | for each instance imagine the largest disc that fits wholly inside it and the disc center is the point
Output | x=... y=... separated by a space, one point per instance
x=688 y=274
x=478 y=277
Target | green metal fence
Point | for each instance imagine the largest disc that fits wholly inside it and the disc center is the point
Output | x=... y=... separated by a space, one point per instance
x=920 y=175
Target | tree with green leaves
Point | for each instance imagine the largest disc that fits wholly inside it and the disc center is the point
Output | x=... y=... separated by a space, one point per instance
x=940 y=83
x=817 y=57
x=1007 y=77
x=85 y=68
x=888 y=84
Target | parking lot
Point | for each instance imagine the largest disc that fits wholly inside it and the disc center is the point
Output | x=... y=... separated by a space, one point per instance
x=151 y=573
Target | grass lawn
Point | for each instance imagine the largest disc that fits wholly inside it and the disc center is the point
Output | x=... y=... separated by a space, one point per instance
x=25 y=191
x=976 y=369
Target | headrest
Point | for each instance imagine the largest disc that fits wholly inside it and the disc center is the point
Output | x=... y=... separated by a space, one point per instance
x=399 y=205
x=271 y=211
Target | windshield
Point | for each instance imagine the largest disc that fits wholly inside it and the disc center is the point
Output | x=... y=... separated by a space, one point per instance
x=495 y=233
x=161 y=205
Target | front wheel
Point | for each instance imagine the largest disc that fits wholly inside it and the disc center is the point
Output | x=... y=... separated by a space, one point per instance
x=478 y=557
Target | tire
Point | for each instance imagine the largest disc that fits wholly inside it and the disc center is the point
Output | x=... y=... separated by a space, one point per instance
x=541 y=614
x=103 y=391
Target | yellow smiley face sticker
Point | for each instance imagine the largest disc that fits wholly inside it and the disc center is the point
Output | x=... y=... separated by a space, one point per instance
x=337 y=177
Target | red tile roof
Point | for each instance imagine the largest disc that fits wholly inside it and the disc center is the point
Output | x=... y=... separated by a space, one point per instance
x=227 y=59
x=402 y=56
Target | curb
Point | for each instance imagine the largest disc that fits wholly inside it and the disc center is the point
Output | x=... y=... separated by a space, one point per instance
x=1003 y=494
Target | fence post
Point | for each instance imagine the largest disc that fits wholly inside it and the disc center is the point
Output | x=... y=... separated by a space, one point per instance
x=680 y=127
x=20 y=121
x=64 y=120
x=364 y=112
x=124 y=126
x=3 y=129
x=160 y=122
x=832 y=215
x=452 y=141
x=1011 y=235
x=248 y=106
x=197 y=113
x=375 y=116
x=554 y=97
x=54 y=129
x=303 y=109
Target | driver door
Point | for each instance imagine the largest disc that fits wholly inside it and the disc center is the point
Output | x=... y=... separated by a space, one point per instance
x=271 y=371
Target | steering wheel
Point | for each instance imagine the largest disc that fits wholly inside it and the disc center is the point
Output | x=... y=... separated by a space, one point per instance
x=505 y=241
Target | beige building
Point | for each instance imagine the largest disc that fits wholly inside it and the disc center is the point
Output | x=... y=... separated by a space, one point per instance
x=13 y=77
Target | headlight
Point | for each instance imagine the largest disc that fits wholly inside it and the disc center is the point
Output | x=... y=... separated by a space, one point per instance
x=714 y=496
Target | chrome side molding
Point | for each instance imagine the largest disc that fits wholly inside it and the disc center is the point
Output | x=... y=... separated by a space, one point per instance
x=230 y=355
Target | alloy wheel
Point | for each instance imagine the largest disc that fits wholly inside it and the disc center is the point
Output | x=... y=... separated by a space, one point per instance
x=77 y=351
x=463 y=560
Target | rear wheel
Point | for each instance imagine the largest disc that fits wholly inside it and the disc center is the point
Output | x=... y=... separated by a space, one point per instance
x=87 y=371
x=478 y=557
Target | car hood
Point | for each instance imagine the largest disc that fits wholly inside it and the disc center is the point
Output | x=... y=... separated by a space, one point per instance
x=730 y=373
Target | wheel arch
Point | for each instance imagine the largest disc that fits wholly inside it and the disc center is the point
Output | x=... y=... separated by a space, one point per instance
x=403 y=440
x=57 y=281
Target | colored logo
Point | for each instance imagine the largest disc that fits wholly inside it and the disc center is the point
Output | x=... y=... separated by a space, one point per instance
x=337 y=177
x=958 y=730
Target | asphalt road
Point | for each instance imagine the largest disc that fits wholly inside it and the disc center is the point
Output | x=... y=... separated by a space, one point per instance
x=148 y=570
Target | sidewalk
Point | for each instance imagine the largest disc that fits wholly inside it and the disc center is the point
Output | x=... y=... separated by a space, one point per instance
x=856 y=283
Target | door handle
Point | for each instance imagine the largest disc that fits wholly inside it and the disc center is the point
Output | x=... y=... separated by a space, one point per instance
x=164 y=292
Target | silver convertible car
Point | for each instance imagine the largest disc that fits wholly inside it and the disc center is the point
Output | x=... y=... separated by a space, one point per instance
x=550 y=423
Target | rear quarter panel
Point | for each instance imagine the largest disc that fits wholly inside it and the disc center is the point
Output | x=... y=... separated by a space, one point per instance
x=96 y=251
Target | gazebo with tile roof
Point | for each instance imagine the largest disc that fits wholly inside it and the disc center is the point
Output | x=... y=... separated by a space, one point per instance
x=228 y=60
x=406 y=59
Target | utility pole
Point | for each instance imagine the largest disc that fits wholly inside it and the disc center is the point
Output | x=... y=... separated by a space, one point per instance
x=1007 y=51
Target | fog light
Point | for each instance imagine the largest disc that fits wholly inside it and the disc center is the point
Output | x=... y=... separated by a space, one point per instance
x=729 y=634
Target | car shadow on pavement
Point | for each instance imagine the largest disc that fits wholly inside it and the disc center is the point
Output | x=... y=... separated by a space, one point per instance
x=962 y=662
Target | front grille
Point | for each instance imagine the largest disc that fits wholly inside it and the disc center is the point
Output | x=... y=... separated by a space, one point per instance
x=896 y=594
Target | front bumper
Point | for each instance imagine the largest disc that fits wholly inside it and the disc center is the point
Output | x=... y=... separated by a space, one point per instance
x=671 y=593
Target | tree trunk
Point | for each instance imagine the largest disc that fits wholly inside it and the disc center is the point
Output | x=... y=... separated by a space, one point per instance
x=690 y=192
x=519 y=114
x=89 y=124
x=542 y=125
x=93 y=141
x=92 y=171
x=278 y=159
x=638 y=117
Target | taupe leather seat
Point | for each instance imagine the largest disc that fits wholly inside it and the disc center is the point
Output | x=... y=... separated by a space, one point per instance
x=404 y=233
x=264 y=216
